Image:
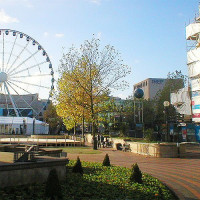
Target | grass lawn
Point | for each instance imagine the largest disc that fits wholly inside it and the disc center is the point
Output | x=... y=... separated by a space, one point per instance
x=96 y=183
x=78 y=150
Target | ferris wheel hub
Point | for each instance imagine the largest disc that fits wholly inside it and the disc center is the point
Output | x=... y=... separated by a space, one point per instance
x=3 y=77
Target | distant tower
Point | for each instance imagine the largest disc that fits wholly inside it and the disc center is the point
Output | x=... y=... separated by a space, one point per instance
x=193 y=62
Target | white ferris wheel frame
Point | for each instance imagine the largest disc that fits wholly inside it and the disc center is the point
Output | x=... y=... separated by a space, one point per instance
x=6 y=73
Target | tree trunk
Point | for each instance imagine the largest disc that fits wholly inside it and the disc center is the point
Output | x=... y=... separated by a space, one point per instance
x=83 y=128
x=74 y=128
x=94 y=136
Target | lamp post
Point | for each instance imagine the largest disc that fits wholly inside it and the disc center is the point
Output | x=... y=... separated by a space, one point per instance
x=33 y=125
x=24 y=127
x=139 y=94
x=166 y=106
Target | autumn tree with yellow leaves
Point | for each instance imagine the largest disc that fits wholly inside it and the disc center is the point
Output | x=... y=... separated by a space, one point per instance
x=87 y=76
x=51 y=117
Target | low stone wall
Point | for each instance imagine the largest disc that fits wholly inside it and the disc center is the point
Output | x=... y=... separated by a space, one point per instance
x=191 y=144
x=30 y=173
x=163 y=150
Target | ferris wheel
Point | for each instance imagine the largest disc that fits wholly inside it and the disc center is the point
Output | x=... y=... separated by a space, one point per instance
x=26 y=75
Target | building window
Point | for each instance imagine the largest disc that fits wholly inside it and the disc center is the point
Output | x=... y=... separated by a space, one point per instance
x=146 y=83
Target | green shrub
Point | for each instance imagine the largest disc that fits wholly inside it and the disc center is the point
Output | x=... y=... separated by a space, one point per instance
x=77 y=167
x=53 y=188
x=106 y=161
x=98 y=182
x=149 y=136
x=136 y=175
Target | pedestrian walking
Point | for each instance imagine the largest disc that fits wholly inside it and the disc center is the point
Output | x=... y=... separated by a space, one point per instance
x=102 y=141
x=98 y=141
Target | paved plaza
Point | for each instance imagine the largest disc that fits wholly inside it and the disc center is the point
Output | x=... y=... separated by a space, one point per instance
x=182 y=175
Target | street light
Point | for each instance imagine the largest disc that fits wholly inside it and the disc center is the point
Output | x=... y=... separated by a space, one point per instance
x=33 y=125
x=24 y=127
x=166 y=106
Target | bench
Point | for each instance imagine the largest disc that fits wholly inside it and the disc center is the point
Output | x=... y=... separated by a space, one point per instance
x=126 y=147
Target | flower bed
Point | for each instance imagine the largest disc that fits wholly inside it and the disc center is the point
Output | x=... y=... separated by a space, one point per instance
x=97 y=182
x=113 y=183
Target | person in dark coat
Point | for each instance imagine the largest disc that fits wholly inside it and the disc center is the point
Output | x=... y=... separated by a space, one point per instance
x=102 y=141
x=99 y=141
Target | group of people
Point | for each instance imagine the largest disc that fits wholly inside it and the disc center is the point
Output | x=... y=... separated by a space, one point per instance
x=103 y=142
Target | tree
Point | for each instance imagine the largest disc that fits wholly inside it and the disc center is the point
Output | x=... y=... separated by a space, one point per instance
x=77 y=168
x=87 y=75
x=149 y=112
x=52 y=118
x=106 y=117
x=136 y=174
x=175 y=81
x=106 y=161
x=53 y=188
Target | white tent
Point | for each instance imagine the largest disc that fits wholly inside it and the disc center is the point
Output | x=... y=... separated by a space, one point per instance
x=22 y=125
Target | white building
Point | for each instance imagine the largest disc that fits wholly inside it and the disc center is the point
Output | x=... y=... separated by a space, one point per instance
x=22 y=125
x=150 y=86
x=193 y=62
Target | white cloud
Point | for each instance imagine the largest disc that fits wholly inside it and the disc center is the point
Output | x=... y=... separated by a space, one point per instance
x=45 y=34
x=98 y=2
x=5 y=19
x=59 y=35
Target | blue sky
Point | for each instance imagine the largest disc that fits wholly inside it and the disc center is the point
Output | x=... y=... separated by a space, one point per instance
x=149 y=34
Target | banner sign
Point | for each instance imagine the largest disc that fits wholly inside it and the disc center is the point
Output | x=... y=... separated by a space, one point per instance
x=171 y=129
x=157 y=81
x=195 y=93
x=196 y=115
x=139 y=126
x=197 y=133
x=196 y=120
x=191 y=129
x=184 y=132
x=195 y=106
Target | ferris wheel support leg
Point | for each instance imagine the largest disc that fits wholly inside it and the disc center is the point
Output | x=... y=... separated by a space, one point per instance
x=12 y=101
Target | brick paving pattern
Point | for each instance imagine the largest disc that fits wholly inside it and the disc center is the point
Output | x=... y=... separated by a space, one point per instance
x=182 y=175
